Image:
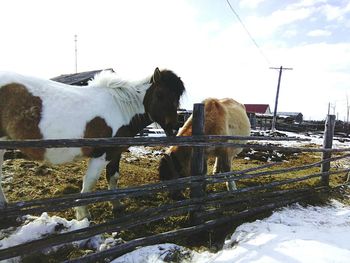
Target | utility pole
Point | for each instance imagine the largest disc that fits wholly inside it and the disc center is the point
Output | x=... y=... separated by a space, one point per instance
x=329 y=108
x=277 y=94
x=347 y=115
x=76 y=53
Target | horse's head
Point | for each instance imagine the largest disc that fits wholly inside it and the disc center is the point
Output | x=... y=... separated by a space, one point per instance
x=162 y=99
x=169 y=168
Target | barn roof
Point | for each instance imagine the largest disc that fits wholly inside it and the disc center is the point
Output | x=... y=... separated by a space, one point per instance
x=258 y=108
x=80 y=79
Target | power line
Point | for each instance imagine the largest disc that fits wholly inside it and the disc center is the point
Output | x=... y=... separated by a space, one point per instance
x=250 y=35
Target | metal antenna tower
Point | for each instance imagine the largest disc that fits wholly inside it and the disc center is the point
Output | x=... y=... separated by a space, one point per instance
x=76 y=52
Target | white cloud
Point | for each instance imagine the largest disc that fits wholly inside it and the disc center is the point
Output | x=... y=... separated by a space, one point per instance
x=250 y=3
x=319 y=33
x=335 y=12
x=135 y=36
x=268 y=25
x=290 y=33
x=319 y=76
x=309 y=3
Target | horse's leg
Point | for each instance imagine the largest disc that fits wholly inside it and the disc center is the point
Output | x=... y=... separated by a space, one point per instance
x=3 y=200
x=217 y=165
x=226 y=160
x=112 y=175
x=93 y=172
x=205 y=170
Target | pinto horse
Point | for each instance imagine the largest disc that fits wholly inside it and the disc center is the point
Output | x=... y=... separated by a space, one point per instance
x=33 y=108
x=221 y=117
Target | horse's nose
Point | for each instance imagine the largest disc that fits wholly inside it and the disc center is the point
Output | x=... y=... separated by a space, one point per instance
x=170 y=131
x=171 y=126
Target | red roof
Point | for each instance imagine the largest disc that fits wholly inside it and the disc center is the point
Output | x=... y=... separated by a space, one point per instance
x=258 y=108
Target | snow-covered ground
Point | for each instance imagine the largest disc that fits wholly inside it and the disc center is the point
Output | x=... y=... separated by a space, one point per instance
x=292 y=234
x=315 y=139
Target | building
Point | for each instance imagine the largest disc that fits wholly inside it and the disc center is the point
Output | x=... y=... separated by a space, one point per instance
x=79 y=79
x=295 y=116
x=258 y=108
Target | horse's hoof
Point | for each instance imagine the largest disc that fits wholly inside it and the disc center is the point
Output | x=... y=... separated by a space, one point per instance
x=3 y=205
x=231 y=186
x=177 y=196
x=81 y=213
x=120 y=209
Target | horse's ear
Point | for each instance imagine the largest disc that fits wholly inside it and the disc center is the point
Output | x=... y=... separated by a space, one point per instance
x=156 y=75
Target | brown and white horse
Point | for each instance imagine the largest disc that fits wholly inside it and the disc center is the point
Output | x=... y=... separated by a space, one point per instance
x=33 y=108
x=222 y=117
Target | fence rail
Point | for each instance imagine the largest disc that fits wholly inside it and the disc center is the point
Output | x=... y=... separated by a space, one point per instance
x=267 y=197
x=137 y=141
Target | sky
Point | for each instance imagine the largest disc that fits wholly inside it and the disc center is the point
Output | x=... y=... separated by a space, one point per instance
x=202 y=41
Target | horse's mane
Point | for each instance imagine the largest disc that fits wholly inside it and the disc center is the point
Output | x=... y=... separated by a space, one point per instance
x=109 y=79
x=127 y=94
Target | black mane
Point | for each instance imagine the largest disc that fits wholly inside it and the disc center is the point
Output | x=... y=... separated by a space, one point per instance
x=174 y=82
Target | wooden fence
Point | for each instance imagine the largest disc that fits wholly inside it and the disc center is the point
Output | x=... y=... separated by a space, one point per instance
x=207 y=210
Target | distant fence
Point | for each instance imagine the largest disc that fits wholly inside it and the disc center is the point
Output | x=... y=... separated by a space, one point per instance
x=207 y=210
x=264 y=122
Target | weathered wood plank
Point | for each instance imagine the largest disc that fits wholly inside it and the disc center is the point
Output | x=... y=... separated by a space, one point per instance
x=126 y=222
x=163 y=237
x=198 y=162
x=327 y=144
x=67 y=201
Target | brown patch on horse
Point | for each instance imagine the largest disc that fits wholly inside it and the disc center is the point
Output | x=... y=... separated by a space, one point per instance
x=20 y=114
x=137 y=123
x=96 y=128
x=215 y=117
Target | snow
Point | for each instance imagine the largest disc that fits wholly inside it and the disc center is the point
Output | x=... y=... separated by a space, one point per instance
x=292 y=234
x=37 y=227
x=316 y=139
x=142 y=152
x=157 y=254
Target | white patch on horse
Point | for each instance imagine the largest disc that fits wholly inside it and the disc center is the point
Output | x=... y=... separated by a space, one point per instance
x=67 y=109
x=93 y=172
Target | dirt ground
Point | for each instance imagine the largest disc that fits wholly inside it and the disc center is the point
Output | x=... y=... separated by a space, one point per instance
x=28 y=180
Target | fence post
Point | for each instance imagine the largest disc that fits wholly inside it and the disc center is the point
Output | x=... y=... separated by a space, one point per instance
x=327 y=144
x=198 y=167
x=252 y=119
x=197 y=163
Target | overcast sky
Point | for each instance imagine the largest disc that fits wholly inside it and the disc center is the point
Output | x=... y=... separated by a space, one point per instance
x=200 y=40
